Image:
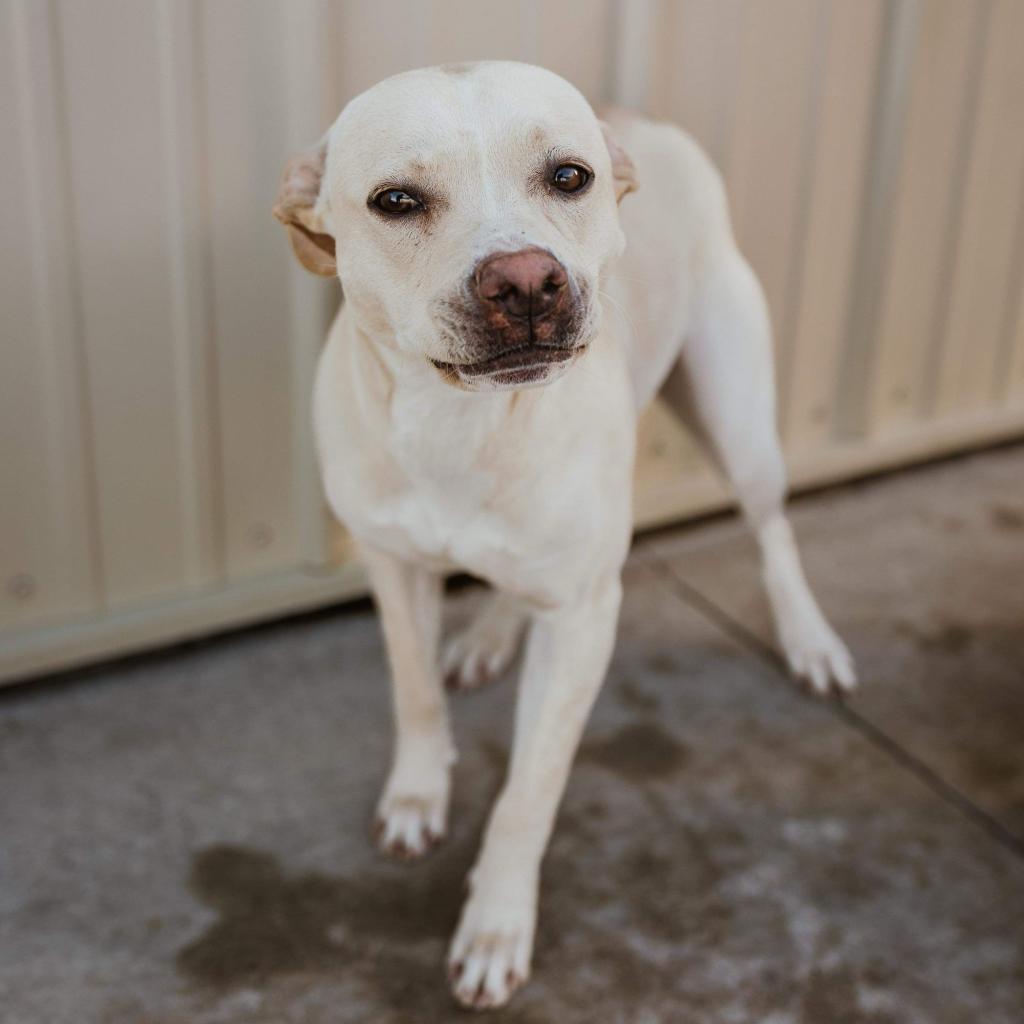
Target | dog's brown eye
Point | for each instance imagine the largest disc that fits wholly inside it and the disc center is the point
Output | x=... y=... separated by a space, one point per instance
x=395 y=200
x=570 y=178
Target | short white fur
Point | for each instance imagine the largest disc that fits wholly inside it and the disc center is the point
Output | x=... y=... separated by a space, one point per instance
x=529 y=489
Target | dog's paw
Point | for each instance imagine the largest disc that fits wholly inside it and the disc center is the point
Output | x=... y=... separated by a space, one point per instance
x=490 y=954
x=816 y=655
x=482 y=651
x=408 y=827
x=412 y=814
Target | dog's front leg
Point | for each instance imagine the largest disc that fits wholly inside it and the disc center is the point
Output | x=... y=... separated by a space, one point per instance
x=567 y=656
x=413 y=809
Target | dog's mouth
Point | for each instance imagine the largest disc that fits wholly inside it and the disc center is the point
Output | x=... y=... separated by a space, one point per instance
x=516 y=367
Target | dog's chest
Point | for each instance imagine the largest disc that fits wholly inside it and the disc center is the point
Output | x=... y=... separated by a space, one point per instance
x=438 y=489
x=530 y=491
x=440 y=507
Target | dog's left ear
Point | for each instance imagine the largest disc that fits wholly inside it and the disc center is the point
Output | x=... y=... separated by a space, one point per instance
x=299 y=209
x=623 y=169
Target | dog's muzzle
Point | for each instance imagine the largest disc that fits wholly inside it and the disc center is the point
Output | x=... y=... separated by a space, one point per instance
x=520 y=321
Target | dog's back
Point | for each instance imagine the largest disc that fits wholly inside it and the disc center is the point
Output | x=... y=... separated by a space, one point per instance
x=675 y=223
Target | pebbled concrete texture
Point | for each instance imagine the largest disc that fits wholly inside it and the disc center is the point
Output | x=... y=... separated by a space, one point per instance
x=184 y=836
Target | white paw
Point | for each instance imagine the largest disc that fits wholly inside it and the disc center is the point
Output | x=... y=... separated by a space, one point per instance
x=812 y=649
x=412 y=814
x=482 y=651
x=816 y=654
x=490 y=954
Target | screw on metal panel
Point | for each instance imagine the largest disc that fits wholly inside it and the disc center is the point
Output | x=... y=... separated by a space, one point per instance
x=260 y=535
x=21 y=586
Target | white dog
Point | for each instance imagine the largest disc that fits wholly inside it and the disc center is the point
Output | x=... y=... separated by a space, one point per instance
x=475 y=409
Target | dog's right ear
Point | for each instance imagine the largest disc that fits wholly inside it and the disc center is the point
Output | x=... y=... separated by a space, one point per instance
x=623 y=169
x=299 y=209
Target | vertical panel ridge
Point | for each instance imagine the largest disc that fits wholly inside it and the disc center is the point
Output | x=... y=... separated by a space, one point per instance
x=308 y=297
x=871 y=264
x=631 y=69
x=835 y=200
x=190 y=331
x=974 y=346
x=936 y=338
x=810 y=135
x=1009 y=389
x=68 y=280
x=924 y=210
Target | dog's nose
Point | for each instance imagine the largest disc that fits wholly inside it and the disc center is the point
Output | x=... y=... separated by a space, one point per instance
x=527 y=283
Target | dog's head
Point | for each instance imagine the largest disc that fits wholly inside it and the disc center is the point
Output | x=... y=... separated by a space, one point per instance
x=469 y=211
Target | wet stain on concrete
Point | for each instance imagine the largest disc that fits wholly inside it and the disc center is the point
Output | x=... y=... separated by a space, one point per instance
x=387 y=931
x=407 y=985
x=635 y=697
x=951 y=638
x=1007 y=517
x=271 y=923
x=663 y=664
x=994 y=768
x=640 y=751
x=496 y=755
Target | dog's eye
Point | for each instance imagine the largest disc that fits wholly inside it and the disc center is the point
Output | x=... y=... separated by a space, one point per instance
x=395 y=200
x=570 y=178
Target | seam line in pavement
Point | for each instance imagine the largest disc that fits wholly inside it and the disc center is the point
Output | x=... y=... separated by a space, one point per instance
x=694 y=599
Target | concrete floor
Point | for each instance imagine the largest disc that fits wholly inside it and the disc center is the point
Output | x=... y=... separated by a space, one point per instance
x=184 y=836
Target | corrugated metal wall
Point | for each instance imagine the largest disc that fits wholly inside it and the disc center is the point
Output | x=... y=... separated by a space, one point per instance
x=156 y=473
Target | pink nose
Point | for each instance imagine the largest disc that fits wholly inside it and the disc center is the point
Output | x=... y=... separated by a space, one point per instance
x=528 y=283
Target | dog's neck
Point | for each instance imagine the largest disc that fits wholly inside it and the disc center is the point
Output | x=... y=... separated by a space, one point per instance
x=426 y=416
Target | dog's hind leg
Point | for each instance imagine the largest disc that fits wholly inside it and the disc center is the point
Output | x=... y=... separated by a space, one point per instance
x=723 y=386
x=412 y=812
x=481 y=651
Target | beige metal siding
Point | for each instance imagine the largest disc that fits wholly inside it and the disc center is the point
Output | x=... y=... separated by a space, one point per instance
x=156 y=469
x=873 y=157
